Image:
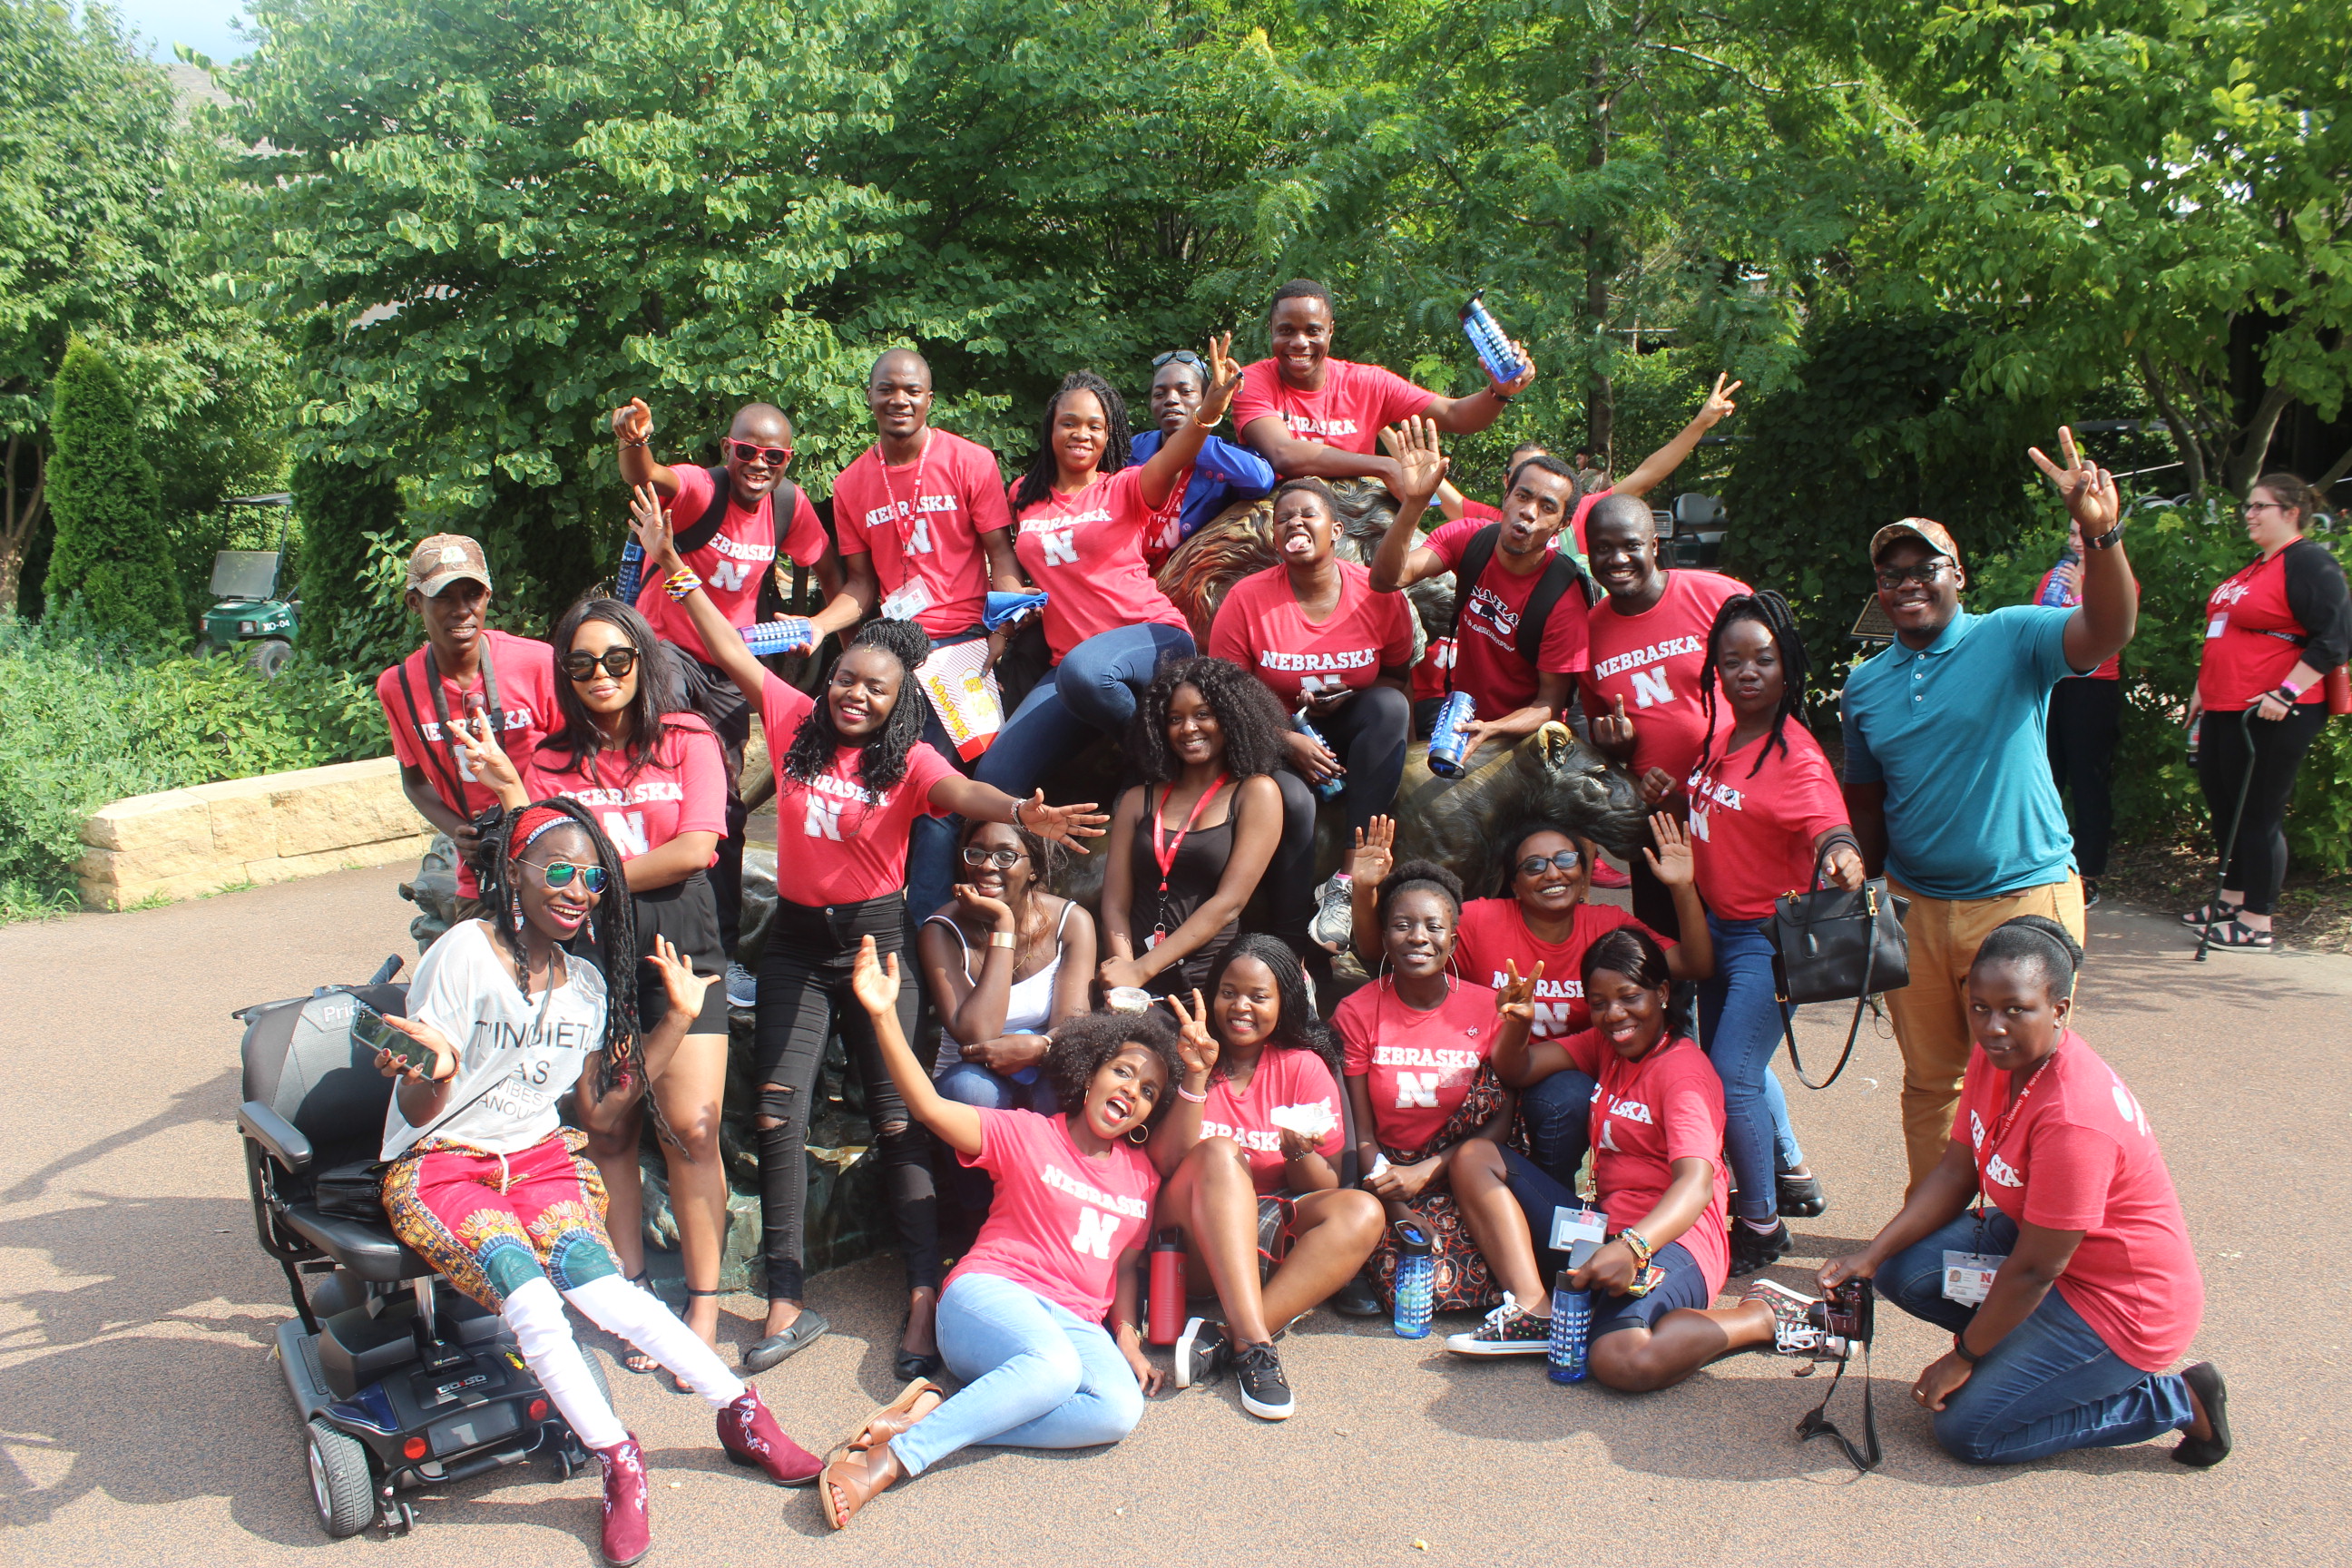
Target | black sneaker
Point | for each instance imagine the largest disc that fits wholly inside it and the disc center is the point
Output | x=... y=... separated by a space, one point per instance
x=1752 y=1249
x=1265 y=1393
x=1356 y=1299
x=1798 y=1197
x=1200 y=1350
x=1508 y=1331
x=2090 y=892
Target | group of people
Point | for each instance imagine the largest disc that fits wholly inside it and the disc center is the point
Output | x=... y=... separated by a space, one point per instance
x=1184 y=1058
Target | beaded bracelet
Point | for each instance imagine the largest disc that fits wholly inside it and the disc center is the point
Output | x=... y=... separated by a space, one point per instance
x=1642 y=1251
x=681 y=585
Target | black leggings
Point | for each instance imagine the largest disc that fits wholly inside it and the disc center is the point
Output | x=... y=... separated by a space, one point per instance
x=1369 y=735
x=2086 y=715
x=2258 y=863
x=804 y=996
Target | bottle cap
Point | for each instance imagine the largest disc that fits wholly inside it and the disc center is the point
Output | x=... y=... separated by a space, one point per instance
x=1411 y=1240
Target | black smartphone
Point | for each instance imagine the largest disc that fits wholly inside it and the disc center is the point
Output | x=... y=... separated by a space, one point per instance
x=369 y=1029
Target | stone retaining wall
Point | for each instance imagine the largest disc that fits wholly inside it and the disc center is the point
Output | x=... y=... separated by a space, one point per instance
x=183 y=843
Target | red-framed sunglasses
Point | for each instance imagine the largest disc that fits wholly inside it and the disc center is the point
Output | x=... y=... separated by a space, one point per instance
x=752 y=452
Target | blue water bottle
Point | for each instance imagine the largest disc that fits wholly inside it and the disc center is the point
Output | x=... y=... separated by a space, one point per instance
x=632 y=572
x=1416 y=1276
x=1486 y=335
x=2056 y=594
x=1571 y=1321
x=1447 y=744
x=790 y=634
x=1330 y=788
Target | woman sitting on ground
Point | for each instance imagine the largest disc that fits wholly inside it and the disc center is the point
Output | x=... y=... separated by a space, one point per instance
x=1267 y=1224
x=489 y=1187
x=1188 y=846
x=1021 y=1320
x=1005 y=962
x=2080 y=1200
x=1420 y=1083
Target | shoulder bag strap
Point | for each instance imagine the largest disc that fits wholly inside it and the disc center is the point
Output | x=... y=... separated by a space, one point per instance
x=1817 y=1424
x=453 y=781
x=705 y=529
x=1559 y=577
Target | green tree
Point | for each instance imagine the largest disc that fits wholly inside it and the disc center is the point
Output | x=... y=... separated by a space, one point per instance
x=339 y=507
x=111 y=546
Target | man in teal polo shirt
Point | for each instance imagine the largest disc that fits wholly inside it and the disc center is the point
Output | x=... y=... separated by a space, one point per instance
x=1947 y=771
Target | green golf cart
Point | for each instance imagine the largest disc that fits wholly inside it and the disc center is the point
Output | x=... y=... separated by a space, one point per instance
x=248 y=611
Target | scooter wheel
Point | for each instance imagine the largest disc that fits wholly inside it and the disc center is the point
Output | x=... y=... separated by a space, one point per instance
x=342 y=1487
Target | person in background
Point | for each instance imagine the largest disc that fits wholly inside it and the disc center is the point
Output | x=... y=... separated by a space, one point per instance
x=2086 y=718
x=463 y=667
x=1764 y=807
x=2273 y=630
x=1647 y=647
x=1948 y=768
x=732 y=540
x=2094 y=1289
x=924 y=535
x=1223 y=475
x=1312 y=415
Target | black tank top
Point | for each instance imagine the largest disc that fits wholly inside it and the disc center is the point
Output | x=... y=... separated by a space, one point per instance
x=1199 y=866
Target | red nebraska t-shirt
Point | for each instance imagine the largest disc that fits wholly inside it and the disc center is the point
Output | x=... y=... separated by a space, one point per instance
x=525 y=669
x=681 y=789
x=1667 y=1107
x=1486 y=661
x=1654 y=661
x=1752 y=832
x=1434 y=676
x=1261 y=628
x=1584 y=505
x=1086 y=550
x=1347 y=414
x=2081 y=1156
x=851 y=845
x=732 y=565
x=1494 y=932
x=1418 y=1066
x=1283 y=1078
x=922 y=521
x=1059 y=1221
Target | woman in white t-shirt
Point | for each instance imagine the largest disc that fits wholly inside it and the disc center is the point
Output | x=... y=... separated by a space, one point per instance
x=488 y=1185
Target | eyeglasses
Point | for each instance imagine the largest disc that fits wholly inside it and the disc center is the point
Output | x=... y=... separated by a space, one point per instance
x=559 y=874
x=1181 y=356
x=2252 y=507
x=1892 y=577
x=1566 y=860
x=1003 y=859
x=752 y=452
x=617 y=662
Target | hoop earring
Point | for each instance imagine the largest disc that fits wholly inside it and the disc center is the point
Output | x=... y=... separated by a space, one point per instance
x=1138 y=1136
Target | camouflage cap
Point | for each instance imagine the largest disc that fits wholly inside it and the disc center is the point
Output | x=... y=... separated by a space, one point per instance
x=443 y=559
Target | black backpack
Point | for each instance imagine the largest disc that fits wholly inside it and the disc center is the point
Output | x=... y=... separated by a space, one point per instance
x=781 y=503
x=1560 y=575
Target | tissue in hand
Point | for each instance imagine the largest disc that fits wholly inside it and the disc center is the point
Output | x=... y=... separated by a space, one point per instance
x=1313 y=1120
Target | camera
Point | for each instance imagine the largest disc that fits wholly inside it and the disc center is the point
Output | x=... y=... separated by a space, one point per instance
x=1845 y=1313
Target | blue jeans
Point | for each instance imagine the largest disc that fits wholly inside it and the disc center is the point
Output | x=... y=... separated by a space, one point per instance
x=1558 y=1112
x=1034 y=1377
x=1739 y=1019
x=1094 y=690
x=2050 y=1384
x=968 y=1083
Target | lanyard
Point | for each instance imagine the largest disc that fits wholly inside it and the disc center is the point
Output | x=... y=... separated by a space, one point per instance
x=902 y=517
x=441 y=710
x=1165 y=850
x=2008 y=1119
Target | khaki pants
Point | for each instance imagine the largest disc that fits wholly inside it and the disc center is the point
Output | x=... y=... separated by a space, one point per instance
x=1931 y=1013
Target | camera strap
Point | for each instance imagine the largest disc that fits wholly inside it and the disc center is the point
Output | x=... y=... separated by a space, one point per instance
x=1817 y=1423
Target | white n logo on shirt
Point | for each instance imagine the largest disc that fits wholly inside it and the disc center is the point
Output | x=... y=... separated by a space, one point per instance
x=1650 y=687
x=1059 y=549
x=1096 y=1229
x=626 y=829
x=918 y=541
x=1416 y=1088
x=824 y=819
x=728 y=577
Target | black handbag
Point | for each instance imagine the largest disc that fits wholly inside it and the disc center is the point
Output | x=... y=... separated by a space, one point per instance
x=352 y=1192
x=1829 y=944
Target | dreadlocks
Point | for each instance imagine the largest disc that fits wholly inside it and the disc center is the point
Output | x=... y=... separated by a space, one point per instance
x=882 y=760
x=610 y=932
x=1771 y=611
x=1037 y=483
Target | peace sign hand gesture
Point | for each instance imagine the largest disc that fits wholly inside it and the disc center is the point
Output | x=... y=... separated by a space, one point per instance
x=2088 y=489
x=1719 y=404
x=1193 y=1041
x=1224 y=379
x=488 y=760
x=1518 y=997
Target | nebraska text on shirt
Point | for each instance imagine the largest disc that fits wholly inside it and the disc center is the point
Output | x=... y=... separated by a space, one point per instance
x=1723 y=795
x=1308 y=424
x=1263 y=1141
x=508 y=719
x=1354 y=658
x=1056 y=522
x=1656 y=653
x=761 y=553
x=1544 y=987
x=1631 y=1109
x=1421 y=1056
x=1061 y=1181
x=888 y=511
x=841 y=788
x=636 y=795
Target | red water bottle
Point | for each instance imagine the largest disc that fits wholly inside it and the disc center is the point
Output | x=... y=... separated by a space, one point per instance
x=1166 y=1318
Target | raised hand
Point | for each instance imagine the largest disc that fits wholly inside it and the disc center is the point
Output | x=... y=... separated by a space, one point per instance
x=634 y=422
x=1224 y=380
x=1062 y=824
x=1671 y=861
x=684 y=987
x=2089 y=489
x=1193 y=1041
x=478 y=740
x=1422 y=463
x=1375 y=854
x=1518 y=997
x=1613 y=732
x=1719 y=402
x=649 y=522
x=1526 y=376
x=875 y=980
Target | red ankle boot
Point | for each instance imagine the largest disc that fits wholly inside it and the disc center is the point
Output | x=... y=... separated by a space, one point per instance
x=750 y=1436
x=628 y=1534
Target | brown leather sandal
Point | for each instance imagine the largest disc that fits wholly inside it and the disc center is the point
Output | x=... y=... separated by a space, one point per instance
x=894 y=1418
x=849 y=1483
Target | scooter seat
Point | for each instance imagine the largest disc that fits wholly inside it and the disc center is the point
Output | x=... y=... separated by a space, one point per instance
x=370 y=1251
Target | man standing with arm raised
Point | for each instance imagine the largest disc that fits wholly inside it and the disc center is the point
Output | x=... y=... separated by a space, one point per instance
x=1947 y=768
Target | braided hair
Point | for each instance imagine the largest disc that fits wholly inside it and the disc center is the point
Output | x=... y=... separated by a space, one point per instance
x=1037 y=482
x=881 y=760
x=610 y=932
x=1298 y=1029
x=1770 y=610
x=1252 y=722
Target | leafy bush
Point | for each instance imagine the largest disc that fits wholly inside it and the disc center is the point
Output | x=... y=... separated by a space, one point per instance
x=348 y=515
x=111 y=545
x=86 y=719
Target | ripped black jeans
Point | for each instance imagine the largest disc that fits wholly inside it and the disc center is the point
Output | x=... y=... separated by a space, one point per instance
x=804 y=995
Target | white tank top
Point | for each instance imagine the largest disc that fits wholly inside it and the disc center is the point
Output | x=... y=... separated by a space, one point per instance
x=1028 y=1008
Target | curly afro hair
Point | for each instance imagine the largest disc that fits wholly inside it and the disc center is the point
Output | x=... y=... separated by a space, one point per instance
x=882 y=760
x=1252 y=720
x=1084 y=1044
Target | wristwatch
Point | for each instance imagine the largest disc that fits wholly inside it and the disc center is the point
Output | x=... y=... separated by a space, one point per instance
x=2108 y=540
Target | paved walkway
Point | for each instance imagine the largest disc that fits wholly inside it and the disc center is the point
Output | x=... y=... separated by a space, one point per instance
x=143 y=1421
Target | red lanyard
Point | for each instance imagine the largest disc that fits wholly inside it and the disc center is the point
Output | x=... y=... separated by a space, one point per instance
x=1167 y=855
x=902 y=519
x=2008 y=1119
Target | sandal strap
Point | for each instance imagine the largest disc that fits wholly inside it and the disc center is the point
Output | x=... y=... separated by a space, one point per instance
x=692 y=1291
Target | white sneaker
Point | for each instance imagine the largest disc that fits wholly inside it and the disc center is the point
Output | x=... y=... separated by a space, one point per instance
x=743 y=987
x=1201 y=1352
x=1509 y=1329
x=1793 y=1331
x=1334 y=924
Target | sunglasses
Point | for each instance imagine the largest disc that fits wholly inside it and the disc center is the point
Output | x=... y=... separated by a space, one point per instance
x=1892 y=577
x=1181 y=356
x=617 y=662
x=559 y=874
x=752 y=452
x=1003 y=859
x=1566 y=860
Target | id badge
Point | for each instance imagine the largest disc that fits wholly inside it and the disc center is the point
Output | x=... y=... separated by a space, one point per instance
x=1570 y=1227
x=1157 y=935
x=2213 y=627
x=913 y=597
x=1968 y=1276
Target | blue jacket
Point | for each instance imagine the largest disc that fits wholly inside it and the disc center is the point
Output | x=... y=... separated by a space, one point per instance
x=1223 y=474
